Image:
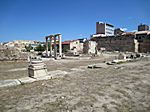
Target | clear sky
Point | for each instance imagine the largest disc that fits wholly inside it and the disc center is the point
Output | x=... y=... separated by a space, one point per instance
x=35 y=19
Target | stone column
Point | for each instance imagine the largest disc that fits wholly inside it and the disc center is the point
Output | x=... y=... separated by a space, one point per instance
x=136 y=46
x=60 y=45
x=46 y=46
x=50 y=46
x=55 y=48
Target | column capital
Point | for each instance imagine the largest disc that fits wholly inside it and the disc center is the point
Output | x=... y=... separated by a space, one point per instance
x=50 y=36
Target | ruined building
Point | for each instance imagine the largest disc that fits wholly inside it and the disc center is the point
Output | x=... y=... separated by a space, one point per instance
x=89 y=47
x=125 y=41
x=143 y=38
x=131 y=42
x=73 y=44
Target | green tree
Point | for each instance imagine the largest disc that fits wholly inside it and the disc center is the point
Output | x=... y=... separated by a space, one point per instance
x=40 y=48
x=29 y=47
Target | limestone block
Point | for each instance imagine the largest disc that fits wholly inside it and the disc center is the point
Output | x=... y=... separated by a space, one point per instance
x=11 y=82
x=26 y=80
x=98 y=65
x=37 y=69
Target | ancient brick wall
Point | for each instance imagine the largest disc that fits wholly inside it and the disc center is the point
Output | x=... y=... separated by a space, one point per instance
x=144 y=46
x=116 y=43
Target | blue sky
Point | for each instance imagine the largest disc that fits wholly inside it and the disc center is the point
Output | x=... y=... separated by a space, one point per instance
x=35 y=19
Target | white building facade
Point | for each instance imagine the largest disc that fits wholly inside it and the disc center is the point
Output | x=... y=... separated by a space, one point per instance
x=104 y=29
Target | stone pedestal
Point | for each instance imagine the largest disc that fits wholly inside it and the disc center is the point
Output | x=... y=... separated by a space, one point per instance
x=37 y=69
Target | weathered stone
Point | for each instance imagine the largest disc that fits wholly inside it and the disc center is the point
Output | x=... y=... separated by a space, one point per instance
x=37 y=69
x=90 y=47
x=26 y=80
x=98 y=65
x=11 y=82
x=53 y=37
x=11 y=54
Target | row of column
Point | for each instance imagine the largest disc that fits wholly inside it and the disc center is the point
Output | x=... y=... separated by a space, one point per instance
x=54 y=37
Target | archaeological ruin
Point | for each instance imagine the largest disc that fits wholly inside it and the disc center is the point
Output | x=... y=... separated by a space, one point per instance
x=52 y=40
x=37 y=69
x=126 y=42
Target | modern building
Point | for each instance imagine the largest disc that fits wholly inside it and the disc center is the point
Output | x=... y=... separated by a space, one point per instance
x=143 y=27
x=104 y=29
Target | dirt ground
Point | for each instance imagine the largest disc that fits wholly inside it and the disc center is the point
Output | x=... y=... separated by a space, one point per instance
x=118 y=88
x=12 y=70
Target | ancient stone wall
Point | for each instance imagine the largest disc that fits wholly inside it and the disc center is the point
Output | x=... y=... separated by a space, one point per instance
x=89 y=47
x=116 y=43
x=144 y=46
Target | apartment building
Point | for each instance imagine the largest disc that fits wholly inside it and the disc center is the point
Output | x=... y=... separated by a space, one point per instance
x=143 y=27
x=104 y=28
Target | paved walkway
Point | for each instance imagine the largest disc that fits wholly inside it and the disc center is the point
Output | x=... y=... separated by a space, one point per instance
x=15 y=82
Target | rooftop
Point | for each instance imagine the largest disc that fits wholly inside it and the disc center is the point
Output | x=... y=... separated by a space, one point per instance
x=68 y=41
x=143 y=32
